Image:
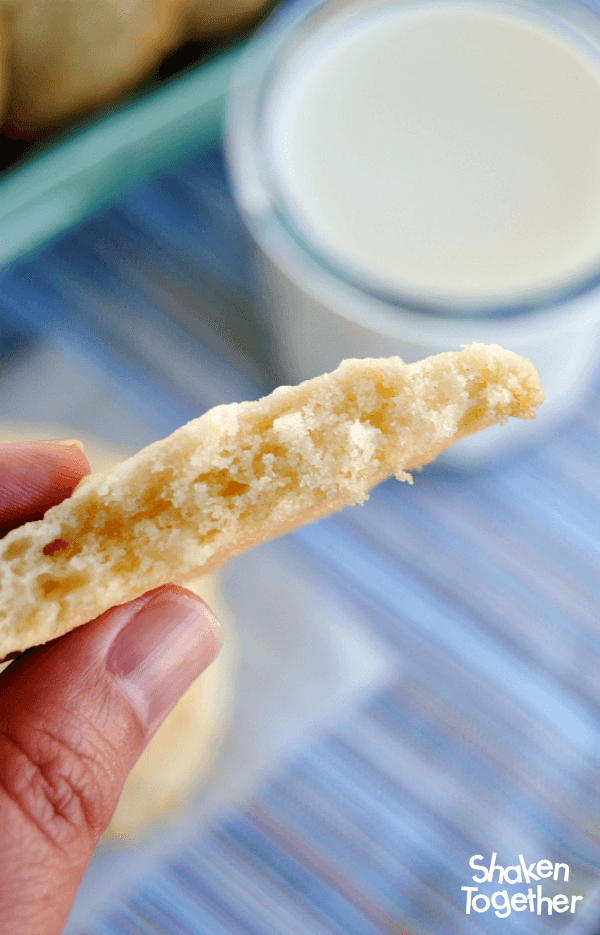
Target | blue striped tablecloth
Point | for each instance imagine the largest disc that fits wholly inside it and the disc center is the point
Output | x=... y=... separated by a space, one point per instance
x=481 y=590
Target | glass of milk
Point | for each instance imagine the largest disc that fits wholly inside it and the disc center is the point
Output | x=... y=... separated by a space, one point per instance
x=421 y=174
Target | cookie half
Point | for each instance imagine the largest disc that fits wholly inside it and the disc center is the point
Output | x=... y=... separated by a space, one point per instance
x=243 y=473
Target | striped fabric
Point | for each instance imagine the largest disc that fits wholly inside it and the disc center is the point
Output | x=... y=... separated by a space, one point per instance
x=481 y=590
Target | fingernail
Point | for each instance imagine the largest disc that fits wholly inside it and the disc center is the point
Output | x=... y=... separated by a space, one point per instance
x=159 y=653
x=68 y=442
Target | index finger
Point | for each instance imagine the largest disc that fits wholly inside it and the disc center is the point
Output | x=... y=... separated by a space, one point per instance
x=35 y=476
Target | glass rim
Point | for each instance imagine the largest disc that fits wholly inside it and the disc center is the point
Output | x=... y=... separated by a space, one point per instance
x=260 y=196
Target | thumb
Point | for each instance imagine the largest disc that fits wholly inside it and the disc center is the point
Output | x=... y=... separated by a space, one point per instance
x=75 y=715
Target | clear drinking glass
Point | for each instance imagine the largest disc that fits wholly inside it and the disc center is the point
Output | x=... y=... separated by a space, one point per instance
x=322 y=306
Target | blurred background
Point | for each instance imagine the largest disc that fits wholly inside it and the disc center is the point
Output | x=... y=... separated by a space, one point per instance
x=418 y=679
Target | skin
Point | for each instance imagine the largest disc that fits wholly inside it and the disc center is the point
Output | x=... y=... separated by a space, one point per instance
x=71 y=727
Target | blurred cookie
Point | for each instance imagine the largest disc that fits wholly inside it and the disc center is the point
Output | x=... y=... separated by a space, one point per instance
x=68 y=57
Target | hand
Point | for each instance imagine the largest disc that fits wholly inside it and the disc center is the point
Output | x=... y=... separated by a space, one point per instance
x=76 y=713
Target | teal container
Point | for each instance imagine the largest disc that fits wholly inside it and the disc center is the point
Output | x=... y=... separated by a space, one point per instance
x=61 y=183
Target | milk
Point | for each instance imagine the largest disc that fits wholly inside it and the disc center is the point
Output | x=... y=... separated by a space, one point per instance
x=447 y=152
x=420 y=175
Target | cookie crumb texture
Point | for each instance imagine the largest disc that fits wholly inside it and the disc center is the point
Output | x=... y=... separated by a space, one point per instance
x=243 y=473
